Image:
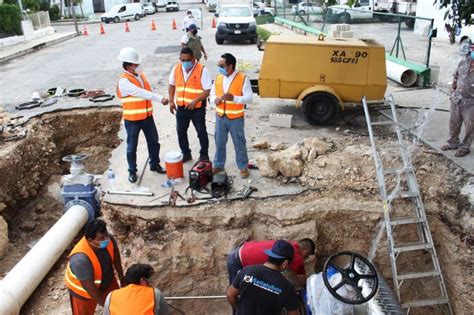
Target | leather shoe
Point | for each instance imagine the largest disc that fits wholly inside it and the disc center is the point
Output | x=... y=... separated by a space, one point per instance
x=158 y=169
x=187 y=157
x=244 y=173
x=132 y=177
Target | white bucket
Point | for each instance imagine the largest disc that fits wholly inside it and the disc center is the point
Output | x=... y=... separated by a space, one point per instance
x=174 y=164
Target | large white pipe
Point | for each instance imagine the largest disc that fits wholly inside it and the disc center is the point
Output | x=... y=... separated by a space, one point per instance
x=401 y=74
x=22 y=280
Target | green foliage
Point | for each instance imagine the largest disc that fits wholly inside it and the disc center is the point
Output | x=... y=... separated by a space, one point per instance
x=54 y=13
x=459 y=13
x=263 y=34
x=351 y=3
x=32 y=5
x=10 y=20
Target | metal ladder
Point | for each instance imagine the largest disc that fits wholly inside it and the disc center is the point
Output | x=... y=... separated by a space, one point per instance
x=417 y=217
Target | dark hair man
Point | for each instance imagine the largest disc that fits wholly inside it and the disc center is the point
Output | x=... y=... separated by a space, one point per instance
x=90 y=269
x=231 y=92
x=134 y=92
x=138 y=297
x=253 y=253
x=262 y=289
x=189 y=86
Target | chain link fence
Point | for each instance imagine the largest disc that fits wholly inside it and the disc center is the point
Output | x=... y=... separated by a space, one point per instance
x=395 y=31
x=39 y=20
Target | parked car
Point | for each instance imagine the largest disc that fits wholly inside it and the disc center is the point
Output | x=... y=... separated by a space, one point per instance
x=123 y=12
x=305 y=7
x=172 y=6
x=211 y=5
x=268 y=11
x=161 y=3
x=149 y=8
x=236 y=22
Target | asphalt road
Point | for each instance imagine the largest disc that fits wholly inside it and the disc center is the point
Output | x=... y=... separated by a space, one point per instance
x=90 y=62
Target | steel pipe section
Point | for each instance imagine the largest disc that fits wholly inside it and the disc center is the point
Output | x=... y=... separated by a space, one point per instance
x=401 y=74
x=22 y=280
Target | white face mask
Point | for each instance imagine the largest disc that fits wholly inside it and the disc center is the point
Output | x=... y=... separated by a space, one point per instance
x=139 y=70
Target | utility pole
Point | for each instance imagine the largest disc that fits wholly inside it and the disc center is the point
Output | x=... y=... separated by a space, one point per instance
x=74 y=16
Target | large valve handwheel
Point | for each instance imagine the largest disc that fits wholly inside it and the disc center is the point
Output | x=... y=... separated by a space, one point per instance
x=353 y=274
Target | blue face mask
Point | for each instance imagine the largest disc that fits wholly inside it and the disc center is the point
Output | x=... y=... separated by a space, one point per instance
x=104 y=243
x=187 y=64
x=222 y=71
x=472 y=55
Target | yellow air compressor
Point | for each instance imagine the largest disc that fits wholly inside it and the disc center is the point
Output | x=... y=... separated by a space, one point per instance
x=322 y=74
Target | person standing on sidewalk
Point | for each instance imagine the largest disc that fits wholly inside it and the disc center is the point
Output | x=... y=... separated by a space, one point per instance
x=189 y=86
x=90 y=270
x=192 y=40
x=231 y=92
x=462 y=106
x=134 y=91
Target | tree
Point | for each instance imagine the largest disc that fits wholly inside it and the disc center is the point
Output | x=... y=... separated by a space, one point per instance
x=459 y=13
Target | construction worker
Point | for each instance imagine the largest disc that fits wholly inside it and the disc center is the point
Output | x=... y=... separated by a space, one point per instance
x=134 y=91
x=90 y=269
x=230 y=93
x=189 y=87
x=138 y=297
x=188 y=20
x=262 y=289
x=462 y=106
x=192 y=40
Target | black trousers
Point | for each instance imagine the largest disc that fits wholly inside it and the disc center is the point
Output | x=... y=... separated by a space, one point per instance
x=198 y=117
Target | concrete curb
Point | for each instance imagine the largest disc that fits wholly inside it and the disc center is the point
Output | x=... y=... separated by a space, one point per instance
x=36 y=47
x=78 y=23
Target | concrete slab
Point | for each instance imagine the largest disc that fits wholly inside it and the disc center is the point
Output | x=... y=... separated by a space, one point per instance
x=12 y=52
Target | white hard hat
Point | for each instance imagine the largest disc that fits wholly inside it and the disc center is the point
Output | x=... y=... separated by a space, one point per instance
x=130 y=55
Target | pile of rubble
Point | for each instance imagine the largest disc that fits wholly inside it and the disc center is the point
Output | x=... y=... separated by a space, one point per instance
x=289 y=162
x=11 y=127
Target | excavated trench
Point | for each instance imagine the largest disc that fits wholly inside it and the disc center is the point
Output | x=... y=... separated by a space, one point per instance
x=187 y=246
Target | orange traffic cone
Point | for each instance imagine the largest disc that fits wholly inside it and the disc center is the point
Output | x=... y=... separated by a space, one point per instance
x=127 y=29
x=102 y=31
x=213 y=22
x=84 y=31
x=153 y=26
x=173 y=25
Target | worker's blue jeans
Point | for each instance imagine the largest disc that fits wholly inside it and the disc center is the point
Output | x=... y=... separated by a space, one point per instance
x=133 y=129
x=198 y=117
x=234 y=265
x=236 y=128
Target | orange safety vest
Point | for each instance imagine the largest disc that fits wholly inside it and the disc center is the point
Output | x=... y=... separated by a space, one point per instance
x=83 y=247
x=231 y=109
x=135 y=108
x=133 y=299
x=186 y=91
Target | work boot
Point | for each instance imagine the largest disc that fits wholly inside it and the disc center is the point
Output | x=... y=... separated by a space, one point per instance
x=187 y=157
x=461 y=153
x=447 y=147
x=216 y=170
x=158 y=169
x=132 y=177
x=204 y=158
x=244 y=173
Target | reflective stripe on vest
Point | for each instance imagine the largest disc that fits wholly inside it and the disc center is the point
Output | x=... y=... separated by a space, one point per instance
x=71 y=280
x=187 y=91
x=133 y=299
x=135 y=108
x=230 y=109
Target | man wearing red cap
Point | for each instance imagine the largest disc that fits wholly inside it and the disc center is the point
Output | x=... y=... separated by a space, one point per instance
x=262 y=289
x=462 y=106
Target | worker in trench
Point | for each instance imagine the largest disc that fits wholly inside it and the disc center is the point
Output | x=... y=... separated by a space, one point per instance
x=90 y=269
x=262 y=289
x=189 y=86
x=253 y=253
x=138 y=296
x=231 y=92
x=136 y=96
x=462 y=105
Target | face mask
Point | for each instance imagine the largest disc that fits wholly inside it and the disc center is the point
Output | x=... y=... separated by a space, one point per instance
x=187 y=64
x=222 y=71
x=194 y=32
x=103 y=244
x=139 y=70
x=472 y=55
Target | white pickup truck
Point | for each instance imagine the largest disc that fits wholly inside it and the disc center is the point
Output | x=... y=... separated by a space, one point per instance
x=235 y=21
x=365 y=9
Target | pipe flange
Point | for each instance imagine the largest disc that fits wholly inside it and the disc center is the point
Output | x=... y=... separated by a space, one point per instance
x=76 y=92
x=85 y=204
x=28 y=105
x=102 y=98
x=75 y=157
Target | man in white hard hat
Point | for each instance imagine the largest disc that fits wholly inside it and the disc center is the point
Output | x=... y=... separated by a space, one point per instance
x=134 y=91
